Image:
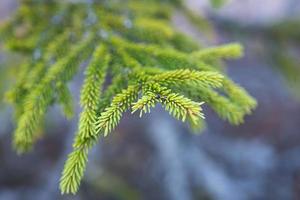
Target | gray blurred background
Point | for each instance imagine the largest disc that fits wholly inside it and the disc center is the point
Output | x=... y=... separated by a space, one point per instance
x=157 y=157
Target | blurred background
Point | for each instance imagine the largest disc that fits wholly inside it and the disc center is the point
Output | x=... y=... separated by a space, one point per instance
x=157 y=157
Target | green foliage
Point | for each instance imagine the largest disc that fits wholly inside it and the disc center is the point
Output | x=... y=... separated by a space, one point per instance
x=218 y=3
x=111 y=116
x=230 y=51
x=134 y=60
x=73 y=171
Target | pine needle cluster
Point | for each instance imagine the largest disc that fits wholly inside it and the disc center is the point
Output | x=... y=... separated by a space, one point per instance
x=134 y=59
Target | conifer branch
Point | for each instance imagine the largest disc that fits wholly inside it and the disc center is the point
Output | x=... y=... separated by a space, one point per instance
x=91 y=91
x=137 y=60
x=73 y=171
x=37 y=102
x=112 y=115
x=202 y=78
x=177 y=105
x=90 y=97
x=228 y=51
x=75 y=165
x=239 y=96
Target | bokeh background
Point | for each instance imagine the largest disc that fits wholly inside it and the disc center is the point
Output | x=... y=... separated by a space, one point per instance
x=157 y=157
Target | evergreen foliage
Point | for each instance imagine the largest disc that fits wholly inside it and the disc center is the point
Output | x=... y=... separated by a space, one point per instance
x=130 y=43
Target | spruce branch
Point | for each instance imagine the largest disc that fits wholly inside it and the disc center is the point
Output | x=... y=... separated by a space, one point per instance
x=177 y=105
x=228 y=51
x=91 y=91
x=90 y=96
x=112 y=114
x=135 y=59
x=75 y=165
x=202 y=78
x=37 y=102
x=73 y=171
x=239 y=96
